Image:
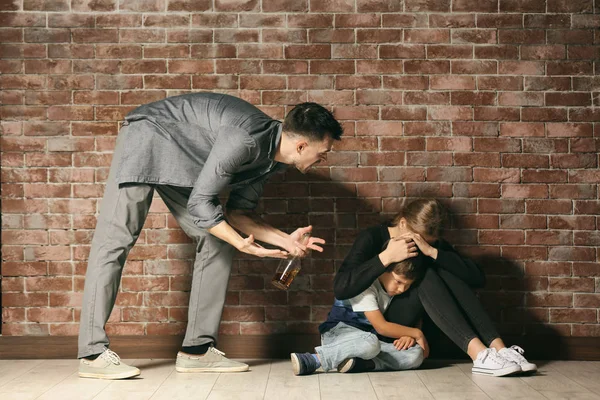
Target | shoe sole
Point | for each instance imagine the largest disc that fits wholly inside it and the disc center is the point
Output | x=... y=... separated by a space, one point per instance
x=496 y=372
x=228 y=369
x=346 y=366
x=295 y=363
x=530 y=369
x=123 y=375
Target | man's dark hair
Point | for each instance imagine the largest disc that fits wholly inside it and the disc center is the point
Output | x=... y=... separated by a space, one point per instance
x=313 y=121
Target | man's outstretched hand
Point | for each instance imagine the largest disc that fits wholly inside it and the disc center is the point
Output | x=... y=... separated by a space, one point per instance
x=249 y=246
x=298 y=246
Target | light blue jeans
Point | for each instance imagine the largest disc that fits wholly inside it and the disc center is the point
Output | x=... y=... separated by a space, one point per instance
x=345 y=341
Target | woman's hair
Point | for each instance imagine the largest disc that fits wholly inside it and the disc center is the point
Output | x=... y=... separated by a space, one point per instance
x=313 y=121
x=423 y=216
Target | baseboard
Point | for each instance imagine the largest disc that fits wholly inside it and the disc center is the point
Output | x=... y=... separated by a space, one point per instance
x=275 y=346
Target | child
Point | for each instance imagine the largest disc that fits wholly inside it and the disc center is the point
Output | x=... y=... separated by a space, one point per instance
x=444 y=293
x=349 y=336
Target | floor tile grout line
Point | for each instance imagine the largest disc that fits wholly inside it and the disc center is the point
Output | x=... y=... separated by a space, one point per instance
x=162 y=383
x=470 y=378
x=372 y=387
x=213 y=386
x=24 y=372
x=561 y=374
x=424 y=385
x=268 y=378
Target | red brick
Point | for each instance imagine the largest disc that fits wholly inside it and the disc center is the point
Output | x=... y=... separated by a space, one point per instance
x=449 y=144
x=550 y=238
x=587 y=300
x=62 y=82
x=496 y=175
x=428 y=159
x=523 y=221
x=572 y=315
x=524 y=252
x=476 y=190
x=299 y=82
x=49 y=314
x=573 y=161
x=477 y=159
x=454 y=174
x=428 y=189
x=585 y=269
x=571 y=284
x=549 y=206
x=572 y=254
x=501 y=237
x=571 y=222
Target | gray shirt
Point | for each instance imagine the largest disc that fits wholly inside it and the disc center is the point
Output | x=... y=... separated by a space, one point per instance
x=206 y=141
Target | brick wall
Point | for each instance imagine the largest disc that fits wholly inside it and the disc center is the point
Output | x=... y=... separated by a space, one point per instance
x=492 y=106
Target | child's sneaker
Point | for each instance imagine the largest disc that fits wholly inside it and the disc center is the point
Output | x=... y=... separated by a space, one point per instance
x=515 y=354
x=355 y=365
x=303 y=363
x=489 y=362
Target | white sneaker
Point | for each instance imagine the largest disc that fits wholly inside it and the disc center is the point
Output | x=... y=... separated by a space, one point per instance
x=489 y=362
x=213 y=360
x=515 y=354
x=108 y=365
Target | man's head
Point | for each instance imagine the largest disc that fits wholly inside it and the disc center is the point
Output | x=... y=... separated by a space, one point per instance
x=311 y=130
x=398 y=277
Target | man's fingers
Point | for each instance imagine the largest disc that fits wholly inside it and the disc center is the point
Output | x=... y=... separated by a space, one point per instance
x=316 y=240
x=315 y=247
x=300 y=246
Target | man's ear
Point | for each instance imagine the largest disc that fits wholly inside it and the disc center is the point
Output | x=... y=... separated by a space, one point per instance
x=301 y=146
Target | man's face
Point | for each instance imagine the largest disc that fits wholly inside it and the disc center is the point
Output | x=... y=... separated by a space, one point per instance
x=311 y=152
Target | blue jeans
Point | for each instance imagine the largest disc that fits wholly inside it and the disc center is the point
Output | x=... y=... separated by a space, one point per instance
x=344 y=341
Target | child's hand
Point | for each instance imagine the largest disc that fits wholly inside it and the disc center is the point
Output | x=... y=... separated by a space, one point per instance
x=399 y=249
x=421 y=341
x=404 y=342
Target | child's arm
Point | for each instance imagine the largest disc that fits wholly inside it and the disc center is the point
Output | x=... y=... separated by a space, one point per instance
x=390 y=329
x=395 y=331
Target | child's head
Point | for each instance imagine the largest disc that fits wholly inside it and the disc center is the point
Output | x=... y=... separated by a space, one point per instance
x=422 y=216
x=398 y=277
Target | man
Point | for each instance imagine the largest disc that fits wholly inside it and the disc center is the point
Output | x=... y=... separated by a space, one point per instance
x=190 y=148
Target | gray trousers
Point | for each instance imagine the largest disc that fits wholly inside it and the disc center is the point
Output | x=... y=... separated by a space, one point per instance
x=122 y=215
x=345 y=341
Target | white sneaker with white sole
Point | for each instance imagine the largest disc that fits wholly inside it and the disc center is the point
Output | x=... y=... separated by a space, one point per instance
x=515 y=354
x=489 y=362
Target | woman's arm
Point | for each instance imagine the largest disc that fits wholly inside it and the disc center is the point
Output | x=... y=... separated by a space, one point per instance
x=360 y=268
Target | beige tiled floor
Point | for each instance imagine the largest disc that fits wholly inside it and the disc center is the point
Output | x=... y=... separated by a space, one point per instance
x=57 y=379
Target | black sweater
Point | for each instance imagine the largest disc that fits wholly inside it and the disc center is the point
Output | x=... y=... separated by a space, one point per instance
x=362 y=265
